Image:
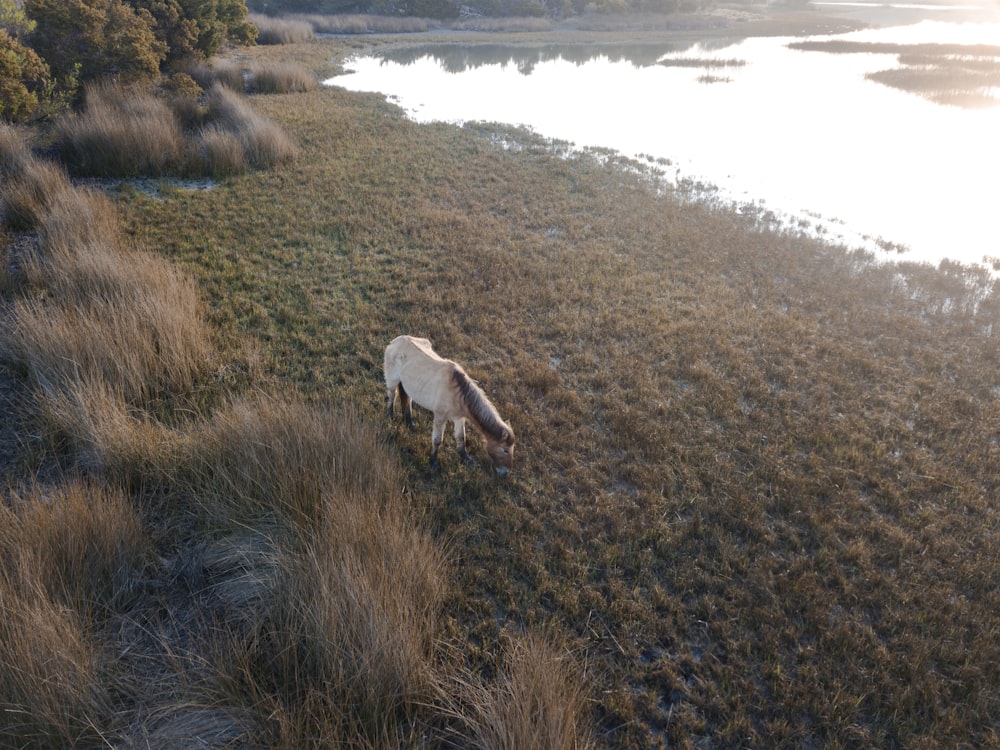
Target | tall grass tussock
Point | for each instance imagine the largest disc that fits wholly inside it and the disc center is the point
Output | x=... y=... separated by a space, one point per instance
x=125 y=132
x=71 y=556
x=360 y=23
x=129 y=132
x=281 y=78
x=280 y=30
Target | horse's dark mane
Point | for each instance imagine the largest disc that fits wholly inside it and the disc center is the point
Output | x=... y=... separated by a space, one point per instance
x=481 y=408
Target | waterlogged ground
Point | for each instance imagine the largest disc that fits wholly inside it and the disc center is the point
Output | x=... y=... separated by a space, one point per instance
x=878 y=139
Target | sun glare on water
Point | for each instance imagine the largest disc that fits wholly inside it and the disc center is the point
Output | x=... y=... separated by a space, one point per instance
x=841 y=140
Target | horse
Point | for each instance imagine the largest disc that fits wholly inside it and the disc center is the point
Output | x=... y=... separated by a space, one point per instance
x=417 y=373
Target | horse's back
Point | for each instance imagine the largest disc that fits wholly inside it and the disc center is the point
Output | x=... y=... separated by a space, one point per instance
x=424 y=375
x=404 y=347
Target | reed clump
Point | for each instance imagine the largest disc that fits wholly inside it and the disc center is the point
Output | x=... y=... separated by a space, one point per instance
x=272 y=30
x=281 y=78
x=263 y=142
x=126 y=131
x=29 y=185
x=537 y=700
x=129 y=132
x=359 y=23
x=71 y=556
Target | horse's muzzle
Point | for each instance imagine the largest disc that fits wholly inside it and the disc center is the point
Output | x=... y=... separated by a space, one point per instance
x=502 y=471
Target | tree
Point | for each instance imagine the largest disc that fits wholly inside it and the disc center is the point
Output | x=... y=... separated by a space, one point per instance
x=13 y=19
x=198 y=28
x=24 y=78
x=96 y=38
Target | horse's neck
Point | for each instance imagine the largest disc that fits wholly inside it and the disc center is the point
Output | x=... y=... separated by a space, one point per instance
x=476 y=405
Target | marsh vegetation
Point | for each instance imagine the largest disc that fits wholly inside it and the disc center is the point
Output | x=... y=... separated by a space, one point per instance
x=753 y=505
x=960 y=74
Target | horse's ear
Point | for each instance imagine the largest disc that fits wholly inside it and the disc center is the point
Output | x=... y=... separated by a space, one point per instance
x=505 y=436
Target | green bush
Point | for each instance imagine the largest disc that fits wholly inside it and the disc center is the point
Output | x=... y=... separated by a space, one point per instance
x=23 y=75
x=94 y=38
x=197 y=28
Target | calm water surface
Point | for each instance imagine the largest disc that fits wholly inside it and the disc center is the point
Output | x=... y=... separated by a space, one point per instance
x=800 y=133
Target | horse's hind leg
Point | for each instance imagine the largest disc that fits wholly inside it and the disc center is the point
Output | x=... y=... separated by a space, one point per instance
x=407 y=405
x=390 y=408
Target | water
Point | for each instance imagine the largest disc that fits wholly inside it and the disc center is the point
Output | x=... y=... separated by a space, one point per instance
x=800 y=133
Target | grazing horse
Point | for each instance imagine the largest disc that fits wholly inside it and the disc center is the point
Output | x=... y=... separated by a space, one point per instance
x=416 y=371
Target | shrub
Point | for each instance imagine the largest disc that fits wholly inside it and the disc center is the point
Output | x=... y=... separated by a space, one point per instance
x=23 y=76
x=95 y=38
x=281 y=78
x=198 y=29
x=124 y=131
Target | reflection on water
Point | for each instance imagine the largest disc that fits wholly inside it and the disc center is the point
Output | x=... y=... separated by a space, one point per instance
x=963 y=75
x=789 y=128
x=458 y=58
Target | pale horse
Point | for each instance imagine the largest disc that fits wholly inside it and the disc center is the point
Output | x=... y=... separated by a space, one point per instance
x=418 y=373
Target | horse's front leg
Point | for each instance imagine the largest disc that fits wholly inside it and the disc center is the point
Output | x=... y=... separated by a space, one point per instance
x=436 y=436
x=460 y=442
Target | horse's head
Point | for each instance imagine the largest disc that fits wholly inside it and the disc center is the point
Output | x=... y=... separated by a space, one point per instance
x=501 y=451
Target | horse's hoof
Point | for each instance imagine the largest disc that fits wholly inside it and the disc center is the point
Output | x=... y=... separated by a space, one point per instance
x=411 y=424
x=467 y=459
x=435 y=465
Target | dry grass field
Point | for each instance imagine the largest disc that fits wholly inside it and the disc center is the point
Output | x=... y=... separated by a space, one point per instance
x=753 y=502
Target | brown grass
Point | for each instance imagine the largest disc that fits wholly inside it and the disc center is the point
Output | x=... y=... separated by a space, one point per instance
x=224 y=72
x=355 y=23
x=509 y=24
x=125 y=132
x=122 y=132
x=26 y=192
x=71 y=555
x=101 y=328
x=264 y=143
x=264 y=455
x=348 y=650
x=220 y=152
x=112 y=314
x=280 y=30
x=15 y=150
x=537 y=700
x=281 y=78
